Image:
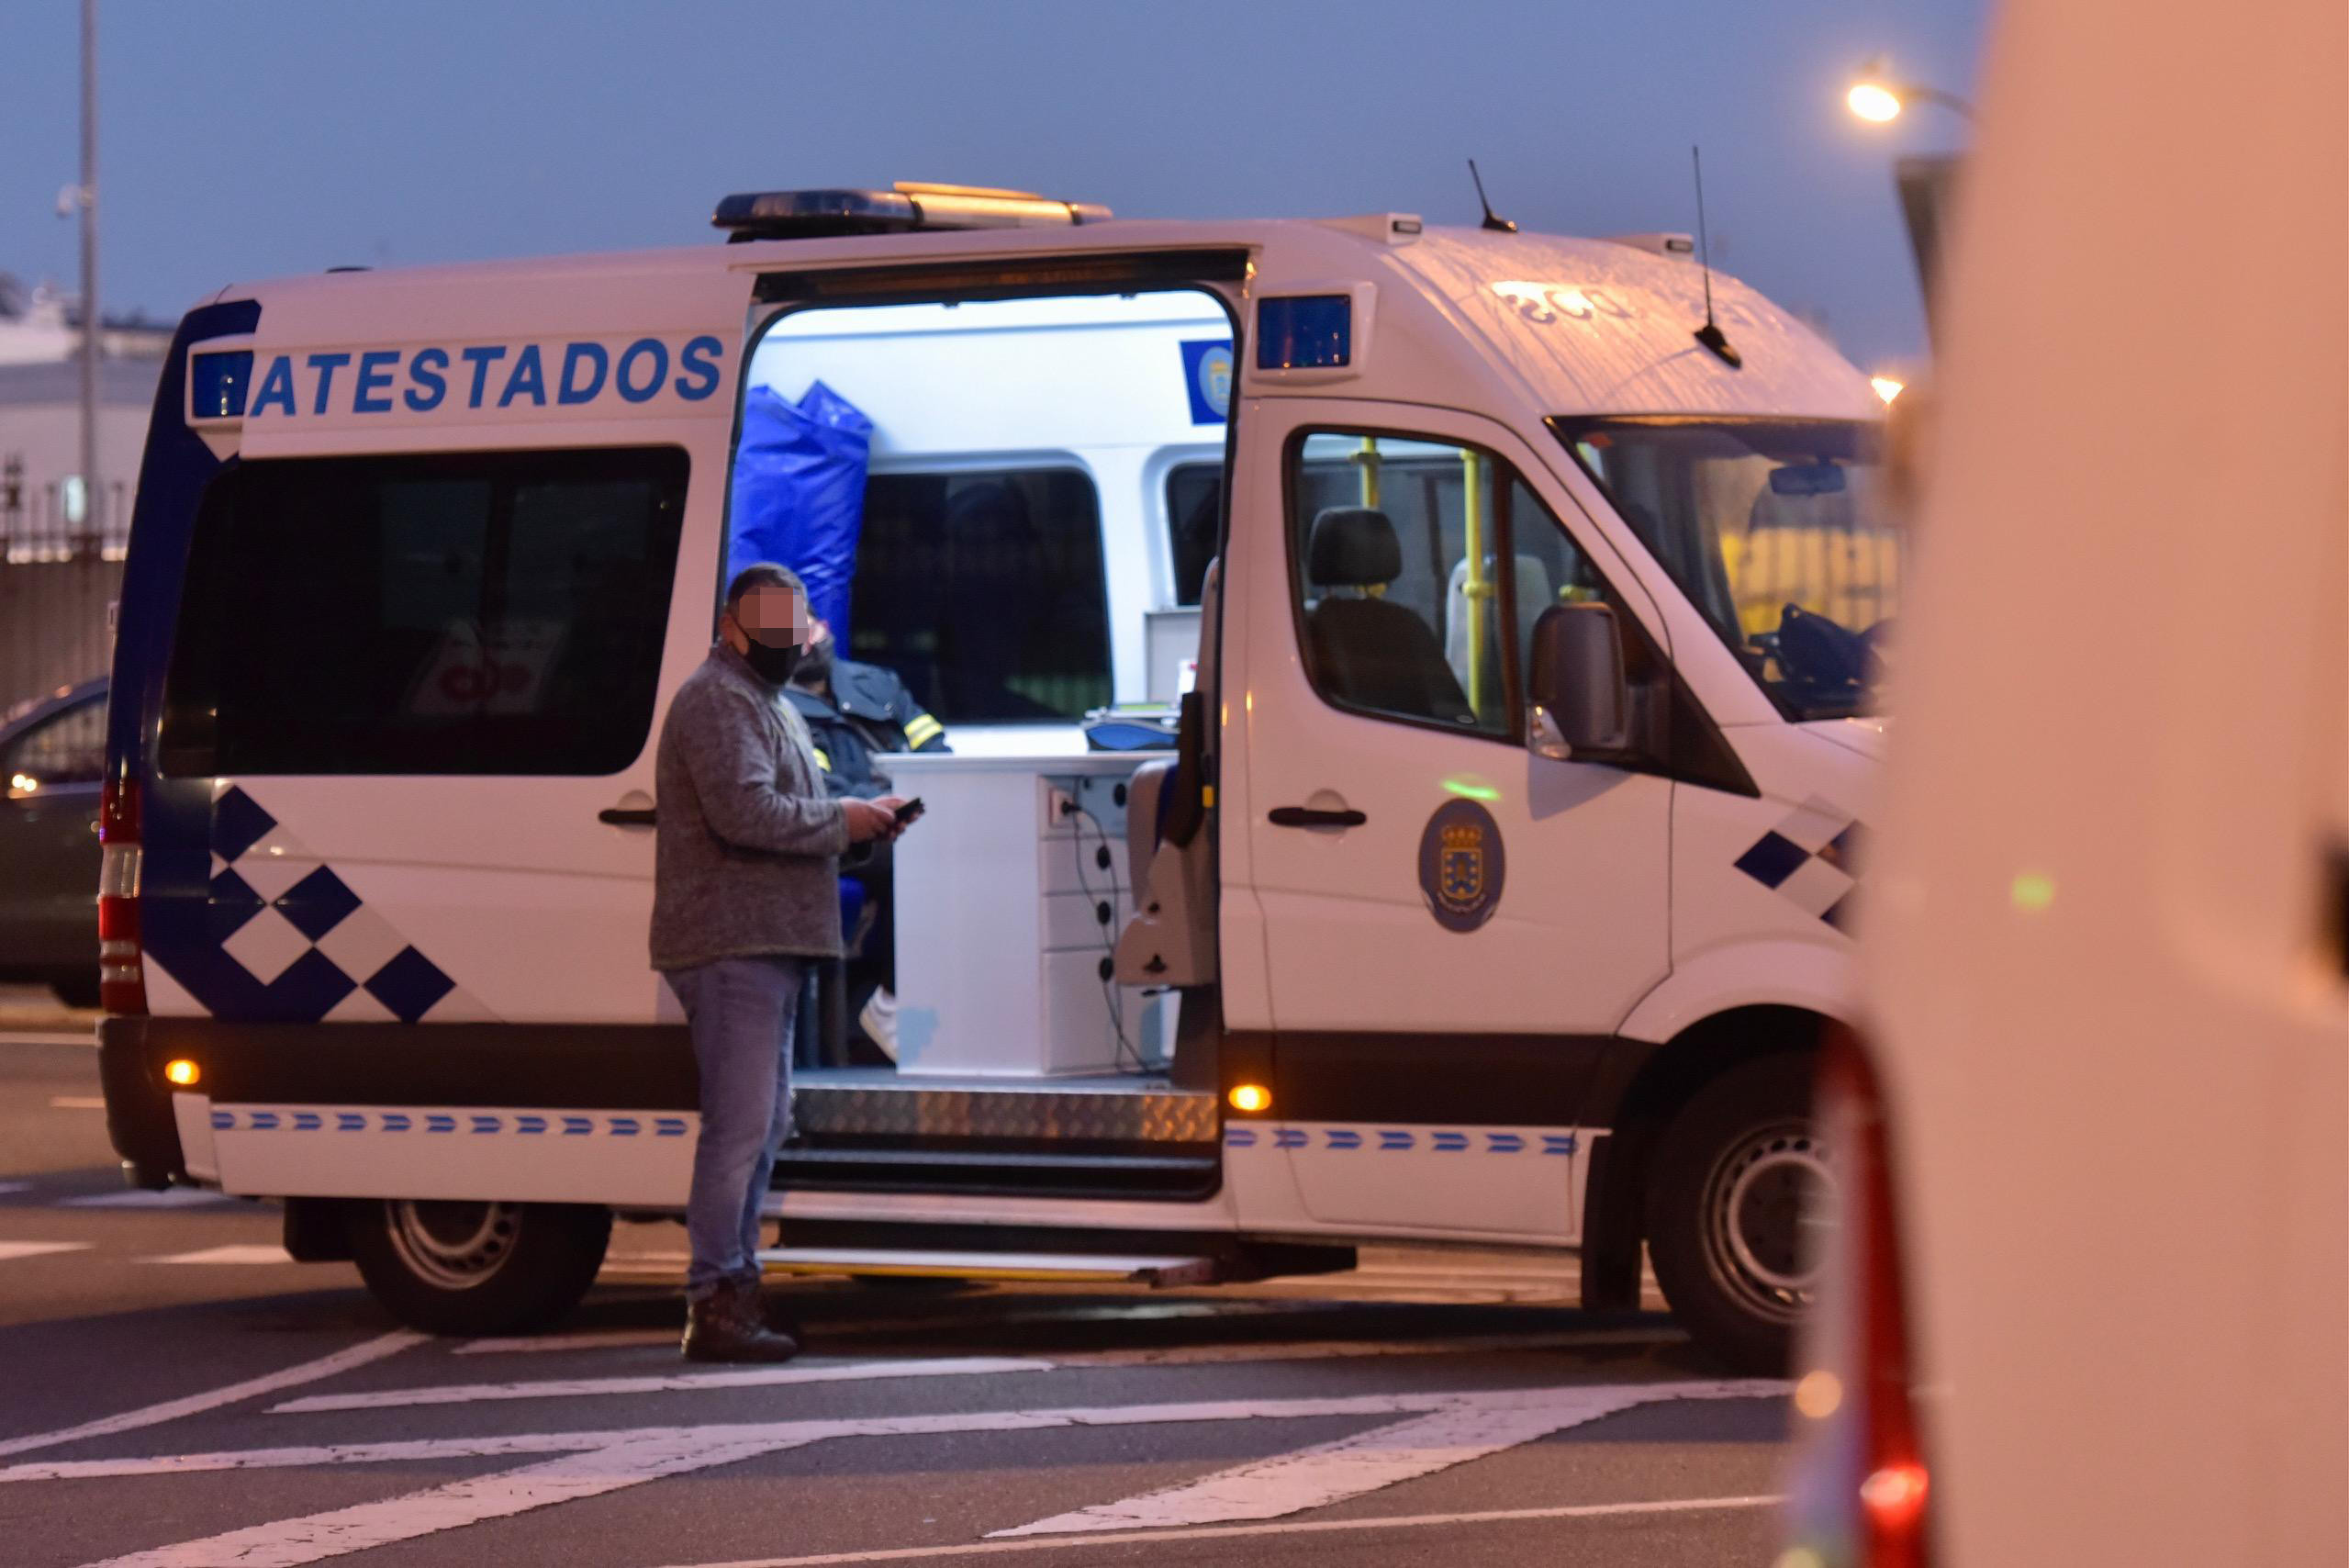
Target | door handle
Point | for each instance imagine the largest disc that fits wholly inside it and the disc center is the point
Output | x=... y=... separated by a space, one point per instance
x=626 y=816
x=1309 y=816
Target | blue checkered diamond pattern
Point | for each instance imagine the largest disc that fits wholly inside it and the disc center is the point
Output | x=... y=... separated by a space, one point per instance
x=1812 y=858
x=316 y=948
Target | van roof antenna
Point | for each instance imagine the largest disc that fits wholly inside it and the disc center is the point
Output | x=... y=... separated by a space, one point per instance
x=1492 y=219
x=1709 y=334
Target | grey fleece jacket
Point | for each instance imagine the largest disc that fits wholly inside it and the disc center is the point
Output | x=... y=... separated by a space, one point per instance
x=746 y=846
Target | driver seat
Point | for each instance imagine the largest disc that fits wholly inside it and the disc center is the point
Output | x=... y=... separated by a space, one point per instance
x=1360 y=649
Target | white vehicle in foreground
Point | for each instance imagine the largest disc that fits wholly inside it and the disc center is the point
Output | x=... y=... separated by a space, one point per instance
x=2093 y=1302
x=1494 y=891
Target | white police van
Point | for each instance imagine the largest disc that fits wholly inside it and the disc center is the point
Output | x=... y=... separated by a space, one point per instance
x=1496 y=891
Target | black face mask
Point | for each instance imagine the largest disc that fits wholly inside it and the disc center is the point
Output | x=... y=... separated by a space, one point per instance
x=771 y=664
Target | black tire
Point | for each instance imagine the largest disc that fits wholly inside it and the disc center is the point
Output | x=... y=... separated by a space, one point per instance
x=76 y=990
x=477 y=1268
x=1735 y=1174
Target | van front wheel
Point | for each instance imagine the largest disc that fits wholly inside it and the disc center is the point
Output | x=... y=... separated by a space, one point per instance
x=1741 y=1175
x=449 y=1266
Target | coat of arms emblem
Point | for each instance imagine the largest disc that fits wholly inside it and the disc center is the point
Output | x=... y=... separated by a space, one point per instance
x=1462 y=865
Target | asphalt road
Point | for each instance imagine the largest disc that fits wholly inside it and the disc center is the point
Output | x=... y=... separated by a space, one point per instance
x=177 y=1395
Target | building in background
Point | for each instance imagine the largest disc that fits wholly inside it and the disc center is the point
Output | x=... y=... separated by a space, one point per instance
x=62 y=536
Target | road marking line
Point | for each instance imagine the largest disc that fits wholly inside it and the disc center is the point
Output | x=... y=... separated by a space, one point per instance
x=169 y=1198
x=1137 y=1312
x=1346 y=1349
x=1230 y=1533
x=342 y=1360
x=794 y=1432
x=76 y=1102
x=670 y=1383
x=1167 y=1356
x=13 y=1249
x=289 y=1542
x=592 y=1339
x=243 y=1254
x=66 y=1037
x=1333 y=1471
x=8 y=1187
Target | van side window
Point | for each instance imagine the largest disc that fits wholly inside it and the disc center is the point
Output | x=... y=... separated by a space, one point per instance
x=1411 y=560
x=985 y=593
x=1194 y=491
x=445 y=613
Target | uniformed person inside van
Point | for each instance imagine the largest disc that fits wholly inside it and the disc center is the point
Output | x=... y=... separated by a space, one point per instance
x=856 y=712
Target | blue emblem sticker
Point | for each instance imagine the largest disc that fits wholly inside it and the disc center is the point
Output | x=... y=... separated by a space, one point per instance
x=1207 y=376
x=1462 y=865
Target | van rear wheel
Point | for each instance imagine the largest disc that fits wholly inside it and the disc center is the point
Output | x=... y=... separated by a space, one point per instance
x=449 y=1266
x=1739 y=1178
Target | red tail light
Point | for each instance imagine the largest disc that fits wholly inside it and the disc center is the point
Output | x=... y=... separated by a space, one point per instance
x=122 y=984
x=1861 y=1488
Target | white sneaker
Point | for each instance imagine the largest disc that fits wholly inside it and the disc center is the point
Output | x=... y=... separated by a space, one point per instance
x=878 y=1020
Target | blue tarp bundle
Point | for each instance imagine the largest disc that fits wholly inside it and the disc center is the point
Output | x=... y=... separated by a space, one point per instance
x=800 y=493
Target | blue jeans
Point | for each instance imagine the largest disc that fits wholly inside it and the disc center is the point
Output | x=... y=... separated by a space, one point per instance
x=740 y=1012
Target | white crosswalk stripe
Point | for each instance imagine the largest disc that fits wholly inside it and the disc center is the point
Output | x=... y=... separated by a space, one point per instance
x=341 y=1361
x=1331 y=1473
x=243 y=1255
x=336 y=1533
x=670 y=1383
x=13 y=1249
x=138 y=1198
x=1023 y=1544
x=818 y=1371
x=1446 y=1429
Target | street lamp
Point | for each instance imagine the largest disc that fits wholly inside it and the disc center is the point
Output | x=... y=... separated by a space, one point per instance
x=1876 y=96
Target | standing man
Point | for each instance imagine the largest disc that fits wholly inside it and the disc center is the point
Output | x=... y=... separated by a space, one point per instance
x=856 y=712
x=745 y=890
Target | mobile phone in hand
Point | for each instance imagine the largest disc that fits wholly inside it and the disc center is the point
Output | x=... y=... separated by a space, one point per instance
x=908 y=812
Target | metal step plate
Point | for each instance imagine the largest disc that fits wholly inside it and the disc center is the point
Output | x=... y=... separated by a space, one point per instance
x=1061 y=1266
x=876 y=1105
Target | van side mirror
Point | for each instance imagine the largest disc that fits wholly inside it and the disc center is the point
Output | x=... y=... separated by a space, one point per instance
x=1579 y=704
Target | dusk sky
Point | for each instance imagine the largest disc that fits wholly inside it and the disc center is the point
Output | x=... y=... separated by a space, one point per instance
x=246 y=140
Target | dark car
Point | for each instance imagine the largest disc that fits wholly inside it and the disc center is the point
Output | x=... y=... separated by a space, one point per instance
x=51 y=761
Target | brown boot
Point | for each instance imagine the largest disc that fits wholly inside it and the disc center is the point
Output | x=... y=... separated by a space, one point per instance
x=719 y=1327
x=757 y=1311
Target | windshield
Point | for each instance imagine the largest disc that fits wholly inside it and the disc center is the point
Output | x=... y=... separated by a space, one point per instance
x=1776 y=531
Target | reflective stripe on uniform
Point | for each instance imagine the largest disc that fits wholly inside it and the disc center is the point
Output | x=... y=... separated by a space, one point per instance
x=921 y=730
x=823 y=761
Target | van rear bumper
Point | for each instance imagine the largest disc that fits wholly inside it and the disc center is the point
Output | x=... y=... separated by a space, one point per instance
x=139 y=1120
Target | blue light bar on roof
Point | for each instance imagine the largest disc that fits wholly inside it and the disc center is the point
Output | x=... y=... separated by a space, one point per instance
x=1305 y=332
x=217 y=384
x=807 y=215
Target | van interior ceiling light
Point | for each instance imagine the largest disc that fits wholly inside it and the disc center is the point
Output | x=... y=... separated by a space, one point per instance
x=1249 y=1097
x=183 y=1071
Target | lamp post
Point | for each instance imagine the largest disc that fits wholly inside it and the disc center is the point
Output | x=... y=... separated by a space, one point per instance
x=88 y=537
x=1876 y=96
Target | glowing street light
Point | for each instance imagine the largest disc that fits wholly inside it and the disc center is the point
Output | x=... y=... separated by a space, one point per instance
x=1873 y=101
x=1888 y=388
x=1876 y=97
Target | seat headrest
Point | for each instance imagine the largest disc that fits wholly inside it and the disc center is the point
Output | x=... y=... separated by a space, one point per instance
x=1352 y=547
